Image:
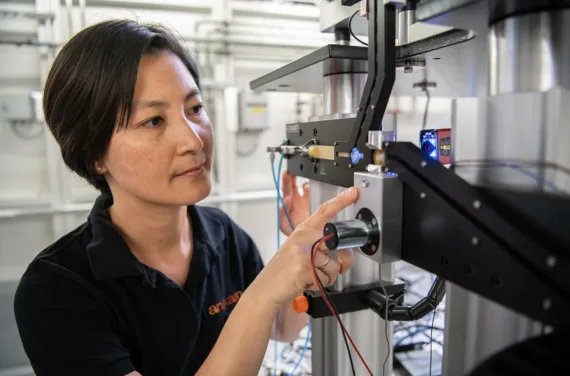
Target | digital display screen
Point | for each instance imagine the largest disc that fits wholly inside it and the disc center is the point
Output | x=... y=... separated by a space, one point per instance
x=428 y=143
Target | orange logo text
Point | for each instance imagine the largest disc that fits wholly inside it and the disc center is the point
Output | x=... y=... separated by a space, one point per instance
x=230 y=300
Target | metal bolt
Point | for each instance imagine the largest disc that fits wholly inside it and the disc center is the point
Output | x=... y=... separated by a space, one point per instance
x=476 y=204
x=551 y=261
x=373 y=247
x=350 y=166
x=335 y=164
x=365 y=183
x=386 y=144
x=335 y=143
x=474 y=240
x=372 y=107
x=408 y=69
x=359 y=216
x=422 y=195
x=423 y=164
x=374 y=222
x=546 y=304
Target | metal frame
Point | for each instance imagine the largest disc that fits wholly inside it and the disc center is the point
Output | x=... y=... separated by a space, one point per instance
x=506 y=259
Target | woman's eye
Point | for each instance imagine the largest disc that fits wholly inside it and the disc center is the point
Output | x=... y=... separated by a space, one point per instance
x=196 y=110
x=153 y=122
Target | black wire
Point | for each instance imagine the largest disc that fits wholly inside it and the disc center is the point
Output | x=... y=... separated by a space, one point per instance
x=350 y=28
x=335 y=311
x=431 y=343
x=424 y=124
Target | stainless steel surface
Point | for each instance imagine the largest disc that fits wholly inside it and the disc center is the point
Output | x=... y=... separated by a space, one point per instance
x=341 y=90
x=488 y=327
x=405 y=19
x=376 y=139
x=352 y=233
x=530 y=53
x=383 y=196
x=532 y=128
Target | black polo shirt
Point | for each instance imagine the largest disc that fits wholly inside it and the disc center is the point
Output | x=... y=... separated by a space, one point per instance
x=87 y=306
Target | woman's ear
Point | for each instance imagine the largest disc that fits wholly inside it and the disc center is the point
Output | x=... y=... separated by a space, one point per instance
x=101 y=170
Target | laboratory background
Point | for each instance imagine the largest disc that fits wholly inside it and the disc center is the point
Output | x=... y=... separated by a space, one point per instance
x=236 y=42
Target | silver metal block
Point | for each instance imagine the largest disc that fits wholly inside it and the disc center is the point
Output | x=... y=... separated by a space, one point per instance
x=382 y=195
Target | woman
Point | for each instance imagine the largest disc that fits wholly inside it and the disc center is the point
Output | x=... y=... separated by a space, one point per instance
x=152 y=284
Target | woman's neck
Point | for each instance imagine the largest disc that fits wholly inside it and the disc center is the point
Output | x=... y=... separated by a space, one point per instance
x=151 y=230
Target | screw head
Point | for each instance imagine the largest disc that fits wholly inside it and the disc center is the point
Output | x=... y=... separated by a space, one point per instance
x=359 y=216
x=551 y=261
x=386 y=144
x=546 y=304
x=372 y=107
x=335 y=164
x=476 y=204
x=374 y=222
x=423 y=164
x=373 y=247
x=422 y=195
x=474 y=240
x=365 y=183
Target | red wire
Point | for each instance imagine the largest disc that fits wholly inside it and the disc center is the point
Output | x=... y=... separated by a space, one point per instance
x=328 y=303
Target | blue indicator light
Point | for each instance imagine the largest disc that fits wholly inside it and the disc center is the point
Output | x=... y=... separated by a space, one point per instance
x=355 y=156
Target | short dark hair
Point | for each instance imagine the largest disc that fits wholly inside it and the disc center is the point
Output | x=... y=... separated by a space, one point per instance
x=90 y=88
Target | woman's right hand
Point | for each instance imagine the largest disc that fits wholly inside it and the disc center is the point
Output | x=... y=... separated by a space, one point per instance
x=289 y=272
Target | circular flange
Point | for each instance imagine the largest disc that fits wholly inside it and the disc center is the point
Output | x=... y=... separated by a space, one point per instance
x=373 y=244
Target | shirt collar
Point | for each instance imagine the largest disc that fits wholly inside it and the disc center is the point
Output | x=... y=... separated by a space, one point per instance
x=110 y=257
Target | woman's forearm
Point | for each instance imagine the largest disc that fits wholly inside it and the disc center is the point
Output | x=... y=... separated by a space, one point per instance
x=242 y=343
x=290 y=323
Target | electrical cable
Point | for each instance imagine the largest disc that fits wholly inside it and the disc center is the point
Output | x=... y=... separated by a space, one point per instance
x=276 y=181
x=309 y=332
x=332 y=308
x=431 y=343
x=350 y=28
x=424 y=123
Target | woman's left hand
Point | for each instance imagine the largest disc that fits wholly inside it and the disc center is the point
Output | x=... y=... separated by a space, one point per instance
x=297 y=204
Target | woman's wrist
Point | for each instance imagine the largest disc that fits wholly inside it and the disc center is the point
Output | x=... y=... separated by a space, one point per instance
x=258 y=296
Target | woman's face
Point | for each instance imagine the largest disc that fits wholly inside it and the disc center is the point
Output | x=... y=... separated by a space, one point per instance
x=164 y=155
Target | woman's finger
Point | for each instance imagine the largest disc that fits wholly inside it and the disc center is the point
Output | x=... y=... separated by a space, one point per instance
x=327 y=265
x=286 y=184
x=324 y=278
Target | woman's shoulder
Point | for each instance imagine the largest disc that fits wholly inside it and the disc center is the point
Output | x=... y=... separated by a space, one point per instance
x=66 y=258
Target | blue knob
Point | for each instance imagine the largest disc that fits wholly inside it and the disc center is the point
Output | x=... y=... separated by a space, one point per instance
x=355 y=156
